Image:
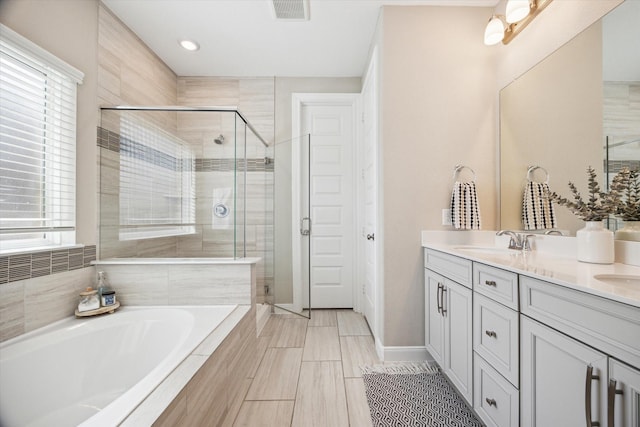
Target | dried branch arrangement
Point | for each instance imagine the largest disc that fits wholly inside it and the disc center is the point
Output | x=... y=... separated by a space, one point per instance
x=629 y=207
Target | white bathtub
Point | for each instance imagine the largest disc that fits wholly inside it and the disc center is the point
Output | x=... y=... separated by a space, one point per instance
x=96 y=371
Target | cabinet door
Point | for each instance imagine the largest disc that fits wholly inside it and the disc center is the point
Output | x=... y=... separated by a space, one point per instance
x=434 y=320
x=555 y=389
x=623 y=406
x=458 y=338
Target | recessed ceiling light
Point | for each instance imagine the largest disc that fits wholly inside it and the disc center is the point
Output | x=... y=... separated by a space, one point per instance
x=189 y=45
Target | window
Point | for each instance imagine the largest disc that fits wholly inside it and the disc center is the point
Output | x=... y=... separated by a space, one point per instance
x=157 y=182
x=37 y=146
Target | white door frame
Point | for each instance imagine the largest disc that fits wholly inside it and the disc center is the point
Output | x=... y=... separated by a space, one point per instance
x=299 y=100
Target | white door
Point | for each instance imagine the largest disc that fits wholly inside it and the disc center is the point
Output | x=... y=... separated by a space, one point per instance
x=562 y=380
x=623 y=407
x=331 y=204
x=458 y=363
x=434 y=320
x=370 y=191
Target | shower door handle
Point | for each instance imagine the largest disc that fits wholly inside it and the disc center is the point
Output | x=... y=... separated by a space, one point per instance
x=304 y=230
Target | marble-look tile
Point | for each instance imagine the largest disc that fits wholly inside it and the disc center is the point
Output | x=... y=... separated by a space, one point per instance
x=138 y=286
x=359 y=414
x=321 y=343
x=323 y=318
x=210 y=284
x=277 y=376
x=290 y=333
x=357 y=351
x=11 y=309
x=54 y=297
x=275 y=413
x=321 y=399
x=352 y=323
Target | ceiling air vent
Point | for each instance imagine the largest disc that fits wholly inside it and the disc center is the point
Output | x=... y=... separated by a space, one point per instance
x=292 y=10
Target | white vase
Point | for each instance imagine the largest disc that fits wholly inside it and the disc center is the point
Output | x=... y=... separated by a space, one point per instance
x=629 y=231
x=595 y=243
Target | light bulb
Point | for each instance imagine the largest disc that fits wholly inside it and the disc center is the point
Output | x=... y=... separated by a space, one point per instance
x=494 y=33
x=189 y=45
x=517 y=10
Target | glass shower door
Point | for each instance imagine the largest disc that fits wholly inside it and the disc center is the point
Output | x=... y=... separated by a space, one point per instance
x=292 y=225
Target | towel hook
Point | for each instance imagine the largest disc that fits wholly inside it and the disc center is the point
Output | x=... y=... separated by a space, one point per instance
x=458 y=168
x=533 y=168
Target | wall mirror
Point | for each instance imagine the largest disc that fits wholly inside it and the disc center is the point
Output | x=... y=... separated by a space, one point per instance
x=561 y=114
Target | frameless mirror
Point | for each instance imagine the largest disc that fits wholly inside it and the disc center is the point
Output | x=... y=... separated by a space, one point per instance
x=560 y=113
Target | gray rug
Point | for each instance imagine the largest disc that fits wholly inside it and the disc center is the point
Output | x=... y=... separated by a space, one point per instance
x=414 y=395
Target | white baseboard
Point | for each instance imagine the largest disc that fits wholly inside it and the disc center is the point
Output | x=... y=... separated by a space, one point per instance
x=402 y=354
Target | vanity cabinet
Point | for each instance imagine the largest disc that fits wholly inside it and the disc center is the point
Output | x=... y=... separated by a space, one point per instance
x=448 y=332
x=577 y=353
x=496 y=345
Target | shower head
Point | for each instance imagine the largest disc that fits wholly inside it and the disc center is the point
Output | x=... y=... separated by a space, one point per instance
x=219 y=140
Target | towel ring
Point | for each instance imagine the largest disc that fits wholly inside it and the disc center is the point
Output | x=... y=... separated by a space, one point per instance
x=457 y=170
x=533 y=168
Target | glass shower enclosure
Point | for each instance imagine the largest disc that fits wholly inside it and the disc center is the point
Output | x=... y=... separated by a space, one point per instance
x=182 y=182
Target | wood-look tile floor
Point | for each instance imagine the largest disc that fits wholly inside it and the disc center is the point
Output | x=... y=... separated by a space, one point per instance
x=309 y=372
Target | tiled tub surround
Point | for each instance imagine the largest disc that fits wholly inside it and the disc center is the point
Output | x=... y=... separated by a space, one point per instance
x=181 y=281
x=109 y=364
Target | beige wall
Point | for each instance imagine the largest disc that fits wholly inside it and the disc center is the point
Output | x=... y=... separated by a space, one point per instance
x=69 y=30
x=437 y=112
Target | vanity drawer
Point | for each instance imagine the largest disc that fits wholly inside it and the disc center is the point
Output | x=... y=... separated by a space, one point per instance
x=497 y=284
x=450 y=266
x=495 y=336
x=495 y=399
x=609 y=326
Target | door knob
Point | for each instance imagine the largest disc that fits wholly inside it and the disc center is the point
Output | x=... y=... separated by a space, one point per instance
x=371 y=237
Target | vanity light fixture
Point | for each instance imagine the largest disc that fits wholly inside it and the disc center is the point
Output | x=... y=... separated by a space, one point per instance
x=189 y=45
x=517 y=16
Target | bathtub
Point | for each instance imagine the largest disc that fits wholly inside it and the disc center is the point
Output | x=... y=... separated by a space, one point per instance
x=96 y=371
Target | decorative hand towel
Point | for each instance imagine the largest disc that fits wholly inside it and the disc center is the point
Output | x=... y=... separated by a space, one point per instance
x=537 y=208
x=465 y=212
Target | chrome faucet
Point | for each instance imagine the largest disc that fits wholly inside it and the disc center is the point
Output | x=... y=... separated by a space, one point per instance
x=517 y=241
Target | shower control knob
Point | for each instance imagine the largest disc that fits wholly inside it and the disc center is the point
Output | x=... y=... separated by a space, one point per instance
x=371 y=237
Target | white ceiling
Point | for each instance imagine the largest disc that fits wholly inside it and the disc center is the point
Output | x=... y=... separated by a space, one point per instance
x=242 y=38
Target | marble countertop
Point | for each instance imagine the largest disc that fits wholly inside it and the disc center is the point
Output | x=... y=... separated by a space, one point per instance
x=557 y=266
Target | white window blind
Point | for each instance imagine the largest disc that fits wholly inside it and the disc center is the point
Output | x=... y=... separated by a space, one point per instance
x=157 y=182
x=37 y=146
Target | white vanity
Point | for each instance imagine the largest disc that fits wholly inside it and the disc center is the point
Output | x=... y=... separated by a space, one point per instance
x=533 y=339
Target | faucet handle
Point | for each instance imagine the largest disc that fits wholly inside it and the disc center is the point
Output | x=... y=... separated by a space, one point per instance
x=526 y=244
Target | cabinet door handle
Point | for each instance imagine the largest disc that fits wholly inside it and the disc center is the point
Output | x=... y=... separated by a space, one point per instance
x=438 y=297
x=490 y=283
x=444 y=310
x=491 y=402
x=587 y=397
x=491 y=334
x=611 y=402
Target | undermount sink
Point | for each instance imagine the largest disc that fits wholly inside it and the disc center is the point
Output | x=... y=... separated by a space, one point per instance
x=618 y=279
x=486 y=249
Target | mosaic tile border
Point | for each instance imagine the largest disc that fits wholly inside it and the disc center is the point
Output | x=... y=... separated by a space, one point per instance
x=44 y=263
x=616 y=165
x=113 y=142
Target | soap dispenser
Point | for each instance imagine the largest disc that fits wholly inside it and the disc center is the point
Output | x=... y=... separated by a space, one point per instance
x=103 y=285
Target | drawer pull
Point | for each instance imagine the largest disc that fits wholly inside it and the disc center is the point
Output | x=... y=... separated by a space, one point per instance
x=587 y=397
x=611 y=401
x=491 y=334
x=491 y=402
x=444 y=310
x=438 y=297
x=490 y=283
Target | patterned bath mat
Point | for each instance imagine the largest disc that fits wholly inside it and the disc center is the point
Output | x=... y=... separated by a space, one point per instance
x=414 y=395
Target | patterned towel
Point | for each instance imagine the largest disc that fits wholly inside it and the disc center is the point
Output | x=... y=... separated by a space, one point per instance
x=537 y=208
x=465 y=212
